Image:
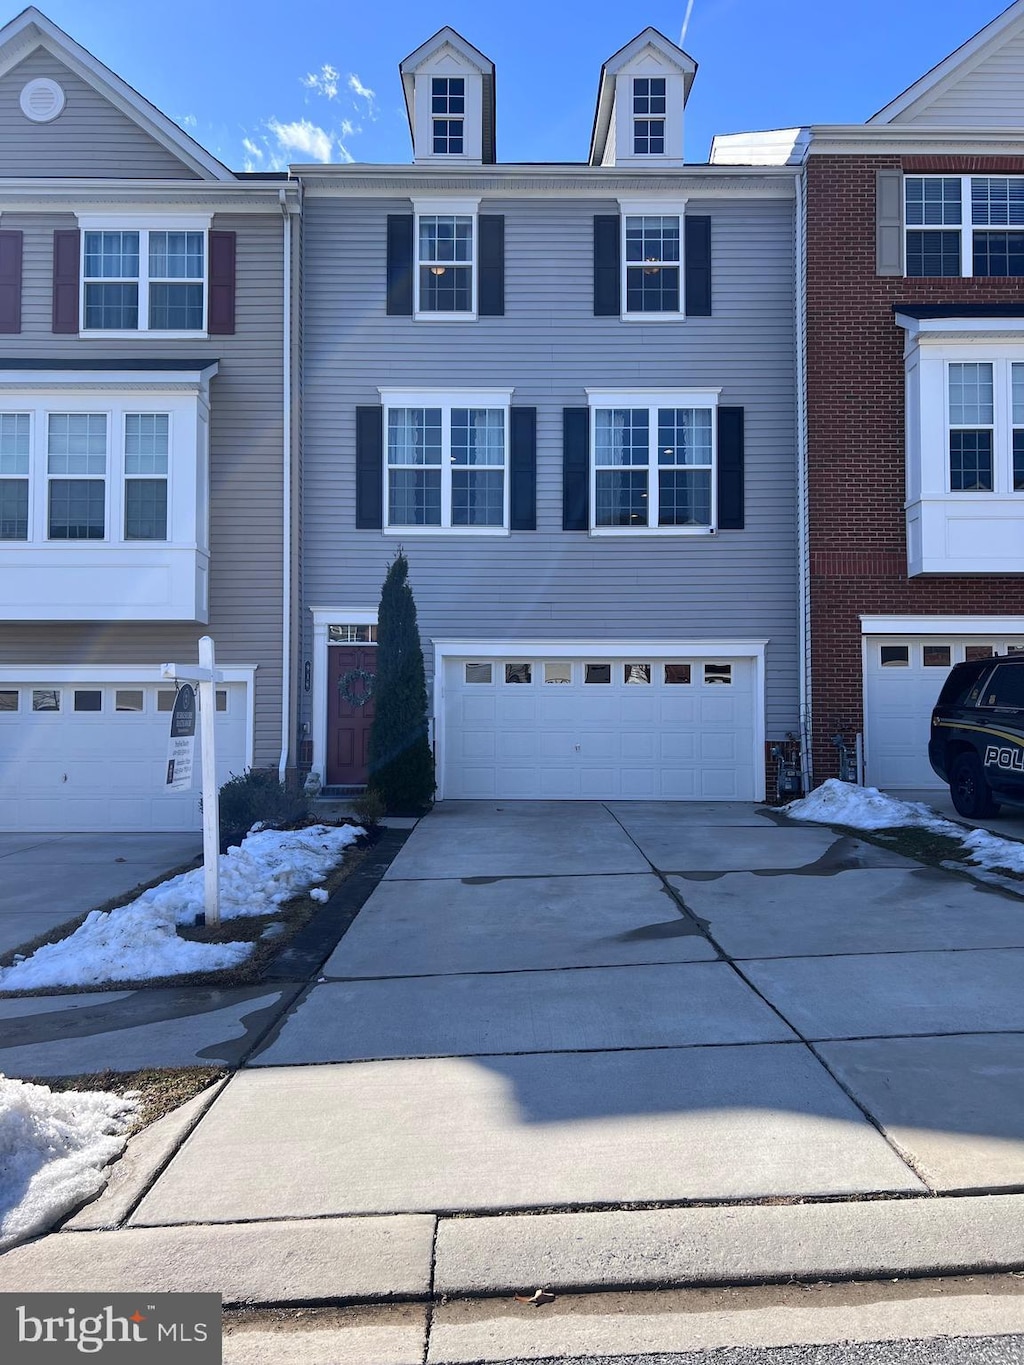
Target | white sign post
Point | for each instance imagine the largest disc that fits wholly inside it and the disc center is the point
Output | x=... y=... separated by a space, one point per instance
x=207 y=677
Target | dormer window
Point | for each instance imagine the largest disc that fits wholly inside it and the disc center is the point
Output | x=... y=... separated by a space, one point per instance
x=448 y=111
x=649 y=116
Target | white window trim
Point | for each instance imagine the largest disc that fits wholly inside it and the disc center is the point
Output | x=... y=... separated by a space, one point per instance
x=467 y=208
x=596 y=651
x=652 y=399
x=635 y=118
x=966 y=227
x=143 y=224
x=652 y=208
x=446 y=399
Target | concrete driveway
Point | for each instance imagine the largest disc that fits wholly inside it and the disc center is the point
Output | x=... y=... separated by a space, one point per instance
x=50 y=878
x=554 y=1005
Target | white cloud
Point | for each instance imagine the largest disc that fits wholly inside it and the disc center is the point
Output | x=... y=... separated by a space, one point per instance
x=251 y=149
x=348 y=128
x=363 y=92
x=323 y=82
x=303 y=138
x=188 y=121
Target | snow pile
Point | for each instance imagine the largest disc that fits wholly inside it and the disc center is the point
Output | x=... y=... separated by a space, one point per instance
x=842 y=803
x=139 y=941
x=53 y=1150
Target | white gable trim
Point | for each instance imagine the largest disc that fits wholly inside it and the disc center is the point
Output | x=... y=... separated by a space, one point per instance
x=958 y=64
x=32 y=30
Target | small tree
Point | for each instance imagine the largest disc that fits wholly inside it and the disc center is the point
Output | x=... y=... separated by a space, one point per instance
x=401 y=764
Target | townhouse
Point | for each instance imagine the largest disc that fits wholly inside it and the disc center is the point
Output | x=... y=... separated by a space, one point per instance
x=568 y=392
x=912 y=342
x=146 y=451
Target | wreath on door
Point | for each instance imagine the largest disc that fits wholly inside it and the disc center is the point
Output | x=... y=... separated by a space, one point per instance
x=353 y=679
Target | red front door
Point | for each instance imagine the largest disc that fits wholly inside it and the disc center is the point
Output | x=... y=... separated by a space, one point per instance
x=350 y=671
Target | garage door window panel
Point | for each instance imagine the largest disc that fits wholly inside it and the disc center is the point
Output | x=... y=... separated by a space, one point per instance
x=479 y=673
x=937 y=656
x=129 y=700
x=519 y=673
x=9 y=701
x=45 y=699
x=558 y=673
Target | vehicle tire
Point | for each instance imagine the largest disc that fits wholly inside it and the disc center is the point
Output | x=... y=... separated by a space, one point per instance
x=972 y=796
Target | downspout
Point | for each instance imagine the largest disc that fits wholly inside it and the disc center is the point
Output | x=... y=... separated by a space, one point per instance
x=286 y=538
x=803 y=532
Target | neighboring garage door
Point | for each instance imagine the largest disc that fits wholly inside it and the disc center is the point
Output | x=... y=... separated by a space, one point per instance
x=904 y=675
x=600 y=728
x=93 y=756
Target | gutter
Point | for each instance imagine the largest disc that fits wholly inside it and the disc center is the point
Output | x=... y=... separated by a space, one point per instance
x=286 y=537
x=803 y=530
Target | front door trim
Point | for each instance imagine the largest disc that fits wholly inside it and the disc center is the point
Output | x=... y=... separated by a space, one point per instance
x=322 y=618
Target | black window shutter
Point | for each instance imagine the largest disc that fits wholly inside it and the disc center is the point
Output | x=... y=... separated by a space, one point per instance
x=10 y=281
x=491 y=283
x=66 y=246
x=400 y=264
x=221 y=310
x=369 y=468
x=523 y=490
x=730 y=469
x=697 y=258
x=575 y=469
x=607 y=290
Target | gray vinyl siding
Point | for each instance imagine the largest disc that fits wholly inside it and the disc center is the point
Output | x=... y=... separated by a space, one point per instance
x=89 y=138
x=989 y=96
x=550 y=584
x=246 y=473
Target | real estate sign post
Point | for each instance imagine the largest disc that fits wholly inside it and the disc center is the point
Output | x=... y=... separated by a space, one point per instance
x=207 y=677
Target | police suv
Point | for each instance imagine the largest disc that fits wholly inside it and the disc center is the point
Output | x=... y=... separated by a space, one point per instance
x=977 y=735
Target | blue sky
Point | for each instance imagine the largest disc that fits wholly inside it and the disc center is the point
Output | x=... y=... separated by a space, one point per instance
x=261 y=86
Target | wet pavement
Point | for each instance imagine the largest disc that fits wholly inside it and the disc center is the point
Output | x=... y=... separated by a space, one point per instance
x=543 y=1006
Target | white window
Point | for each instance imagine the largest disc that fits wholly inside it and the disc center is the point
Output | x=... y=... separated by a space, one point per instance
x=653 y=461
x=652 y=259
x=986 y=426
x=82 y=474
x=448 y=115
x=445 y=276
x=964 y=225
x=648 y=115
x=143 y=277
x=446 y=458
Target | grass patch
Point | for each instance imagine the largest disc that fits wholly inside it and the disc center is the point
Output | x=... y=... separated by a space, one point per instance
x=923 y=844
x=291 y=916
x=158 y=1092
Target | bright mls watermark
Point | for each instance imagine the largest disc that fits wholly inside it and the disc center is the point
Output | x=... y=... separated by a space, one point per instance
x=165 y=1329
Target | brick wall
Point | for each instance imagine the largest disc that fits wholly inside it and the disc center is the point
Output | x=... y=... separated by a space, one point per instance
x=858 y=559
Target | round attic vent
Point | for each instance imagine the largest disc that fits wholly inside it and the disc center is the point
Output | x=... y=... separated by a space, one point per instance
x=42 y=100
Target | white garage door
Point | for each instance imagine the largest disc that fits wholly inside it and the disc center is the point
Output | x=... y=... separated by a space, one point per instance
x=600 y=728
x=904 y=675
x=93 y=756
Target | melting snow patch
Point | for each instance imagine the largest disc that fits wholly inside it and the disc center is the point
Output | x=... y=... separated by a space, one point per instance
x=53 y=1150
x=842 y=803
x=139 y=941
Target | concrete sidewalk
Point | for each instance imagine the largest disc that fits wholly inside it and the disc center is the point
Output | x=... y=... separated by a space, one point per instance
x=749 y=1050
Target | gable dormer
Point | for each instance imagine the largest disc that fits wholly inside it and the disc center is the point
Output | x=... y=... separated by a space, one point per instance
x=640 y=101
x=449 y=95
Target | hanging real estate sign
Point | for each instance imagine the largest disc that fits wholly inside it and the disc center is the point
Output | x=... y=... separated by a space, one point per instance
x=182 y=743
